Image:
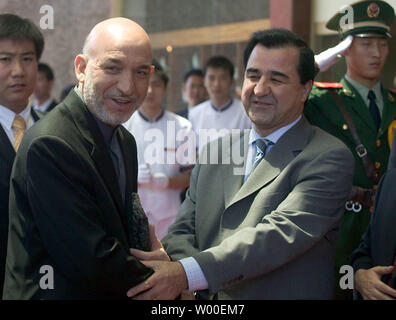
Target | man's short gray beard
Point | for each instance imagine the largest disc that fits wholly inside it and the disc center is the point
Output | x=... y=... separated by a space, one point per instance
x=96 y=105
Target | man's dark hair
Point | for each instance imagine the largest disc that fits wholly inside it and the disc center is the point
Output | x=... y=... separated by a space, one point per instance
x=192 y=72
x=220 y=62
x=17 y=28
x=47 y=70
x=281 y=38
x=159 y=70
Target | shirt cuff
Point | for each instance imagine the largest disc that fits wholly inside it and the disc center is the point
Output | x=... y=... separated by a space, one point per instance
x=195 y=277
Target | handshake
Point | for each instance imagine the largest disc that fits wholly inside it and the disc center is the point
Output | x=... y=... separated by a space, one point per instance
x=169 y=279
x=154 y=181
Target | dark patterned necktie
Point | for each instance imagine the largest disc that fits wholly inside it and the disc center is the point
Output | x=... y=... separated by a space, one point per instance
x=373 y=108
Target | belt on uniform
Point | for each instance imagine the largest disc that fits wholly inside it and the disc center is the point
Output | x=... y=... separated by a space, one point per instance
x=359 y=197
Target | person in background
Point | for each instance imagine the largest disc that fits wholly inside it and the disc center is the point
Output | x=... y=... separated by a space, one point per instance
x=220 y=114
x=359 y=111
x=42 y=92
x=194 y=91
x=21 y=46
x=164 y=169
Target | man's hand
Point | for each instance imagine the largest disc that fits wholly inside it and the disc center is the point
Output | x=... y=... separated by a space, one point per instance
x=369 y=284
x=157 y=250
x=167 y=282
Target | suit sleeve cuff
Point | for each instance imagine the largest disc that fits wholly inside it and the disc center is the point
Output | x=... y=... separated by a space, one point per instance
x=195 y=276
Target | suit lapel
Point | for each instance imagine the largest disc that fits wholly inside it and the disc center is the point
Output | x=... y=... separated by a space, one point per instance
x=89 y=129
x=130 y=160
x=36 y=114
x=7 y=151
x=281 y=154
x=233 y=174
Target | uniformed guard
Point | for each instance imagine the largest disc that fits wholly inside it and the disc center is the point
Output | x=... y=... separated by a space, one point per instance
x=360 y=112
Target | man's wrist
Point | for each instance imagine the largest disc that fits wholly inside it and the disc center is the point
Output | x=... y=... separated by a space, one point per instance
x=182 y=276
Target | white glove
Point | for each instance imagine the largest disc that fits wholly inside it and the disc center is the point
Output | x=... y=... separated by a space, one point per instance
x=327 y=58
x=144 y=174
x=159 y=181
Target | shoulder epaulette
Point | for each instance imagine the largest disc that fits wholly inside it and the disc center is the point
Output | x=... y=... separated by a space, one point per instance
x=328 y=85
x=393 y=90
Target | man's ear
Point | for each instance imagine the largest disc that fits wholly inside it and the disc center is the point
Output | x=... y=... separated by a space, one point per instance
x=80 y=65
x=307 y=89
x=51 y=84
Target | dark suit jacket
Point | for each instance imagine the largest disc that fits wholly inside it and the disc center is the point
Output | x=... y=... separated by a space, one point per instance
x=378 y=247
x=7 y=156
x=66 y=211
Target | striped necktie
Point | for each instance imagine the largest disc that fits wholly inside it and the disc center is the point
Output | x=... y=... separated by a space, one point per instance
x=262 y=145
x=19 y=126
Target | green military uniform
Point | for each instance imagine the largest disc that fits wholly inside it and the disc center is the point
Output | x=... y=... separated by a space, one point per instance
x=321 y=109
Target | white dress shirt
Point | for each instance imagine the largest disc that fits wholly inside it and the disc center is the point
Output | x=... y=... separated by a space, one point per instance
x=44 y=106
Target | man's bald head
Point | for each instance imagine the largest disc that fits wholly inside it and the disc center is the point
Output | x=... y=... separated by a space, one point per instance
x=114 y=30
x=114 y=69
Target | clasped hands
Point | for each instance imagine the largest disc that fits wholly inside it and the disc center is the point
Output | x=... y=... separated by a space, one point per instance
x=168 y=280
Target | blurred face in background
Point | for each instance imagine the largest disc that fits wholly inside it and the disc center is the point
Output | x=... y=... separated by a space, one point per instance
x=194 y=90
x=218 y=82
x=155 y=95
x=43 y=88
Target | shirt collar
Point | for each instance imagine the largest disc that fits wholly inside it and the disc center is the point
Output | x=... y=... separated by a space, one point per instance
x=156 y=118
x=273 y=136
x=363 y=90
x=222 y=108
x=7 y=116
x=43 y=107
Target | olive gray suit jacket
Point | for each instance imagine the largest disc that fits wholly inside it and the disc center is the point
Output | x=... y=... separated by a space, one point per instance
x=66 y=211
x=272 y=237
